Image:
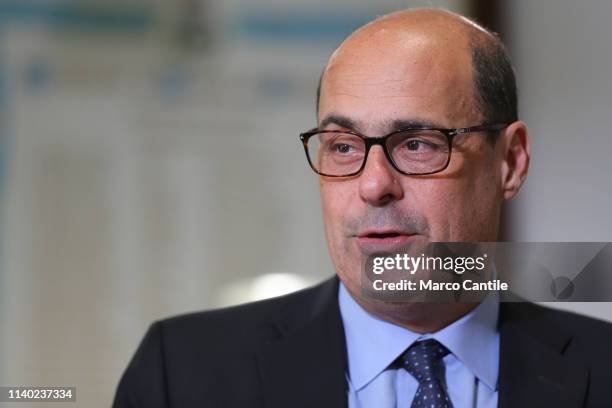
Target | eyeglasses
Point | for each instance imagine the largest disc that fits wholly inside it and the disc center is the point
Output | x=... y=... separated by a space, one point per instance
x=413 y=151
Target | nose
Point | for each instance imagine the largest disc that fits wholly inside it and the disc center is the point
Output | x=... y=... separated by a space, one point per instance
x=379 y=183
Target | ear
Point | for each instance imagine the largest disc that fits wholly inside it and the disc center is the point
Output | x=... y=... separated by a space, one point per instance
x=514 y=151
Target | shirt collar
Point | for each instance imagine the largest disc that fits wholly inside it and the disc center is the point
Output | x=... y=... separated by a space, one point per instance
x=373 y=344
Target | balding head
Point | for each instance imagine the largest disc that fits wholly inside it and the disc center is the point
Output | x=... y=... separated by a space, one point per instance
x=400 y=31
x=437 y=37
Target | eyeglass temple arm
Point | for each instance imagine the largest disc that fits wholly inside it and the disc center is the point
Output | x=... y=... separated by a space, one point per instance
x=480 y=128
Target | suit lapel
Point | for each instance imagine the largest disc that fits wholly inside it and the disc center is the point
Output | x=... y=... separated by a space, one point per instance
x=534 y=372
x=305 y=366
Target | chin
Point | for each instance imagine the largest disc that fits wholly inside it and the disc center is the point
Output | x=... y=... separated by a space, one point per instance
x=398 y=312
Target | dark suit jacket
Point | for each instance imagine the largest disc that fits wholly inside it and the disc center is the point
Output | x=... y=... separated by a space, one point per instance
x=291 y=352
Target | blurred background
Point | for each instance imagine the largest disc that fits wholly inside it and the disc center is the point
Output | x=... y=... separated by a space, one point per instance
x=150 y=162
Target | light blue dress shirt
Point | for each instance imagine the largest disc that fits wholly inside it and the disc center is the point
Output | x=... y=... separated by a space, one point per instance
x=373 y=344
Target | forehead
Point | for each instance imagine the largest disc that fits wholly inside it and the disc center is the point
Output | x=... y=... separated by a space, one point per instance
x=388 y=75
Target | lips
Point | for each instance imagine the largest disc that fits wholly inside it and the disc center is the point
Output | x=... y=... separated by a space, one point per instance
x=382 y=235
x=388 y=236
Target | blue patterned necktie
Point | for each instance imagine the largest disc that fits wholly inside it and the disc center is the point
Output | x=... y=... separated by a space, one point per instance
x=424 y=361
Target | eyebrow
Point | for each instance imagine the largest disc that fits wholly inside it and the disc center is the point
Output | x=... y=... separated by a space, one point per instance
x=400 y=124
x=342 y=121
x=395 y=125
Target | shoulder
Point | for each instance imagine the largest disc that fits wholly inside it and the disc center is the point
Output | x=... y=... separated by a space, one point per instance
x=589 y=336
x=245 y=325
x=593 y=336
x=214 y=350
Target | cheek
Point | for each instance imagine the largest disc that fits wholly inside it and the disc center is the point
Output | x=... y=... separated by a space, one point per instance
x=436 y=200
x=459 y=209
x=339 y=202
x=335 y=202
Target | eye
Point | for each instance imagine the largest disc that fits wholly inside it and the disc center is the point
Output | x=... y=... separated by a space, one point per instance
x=342 y=144
x=419 y=144
x=341 y=147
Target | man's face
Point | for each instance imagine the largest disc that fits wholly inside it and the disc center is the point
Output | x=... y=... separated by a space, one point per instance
x=376 y=83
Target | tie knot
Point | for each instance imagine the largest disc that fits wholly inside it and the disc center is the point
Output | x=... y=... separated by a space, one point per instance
x=424 y=359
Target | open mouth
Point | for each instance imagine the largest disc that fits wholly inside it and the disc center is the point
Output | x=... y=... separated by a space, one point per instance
x=384 y=235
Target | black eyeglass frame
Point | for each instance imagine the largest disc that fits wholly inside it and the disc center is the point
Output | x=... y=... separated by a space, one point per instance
x=450 y=134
